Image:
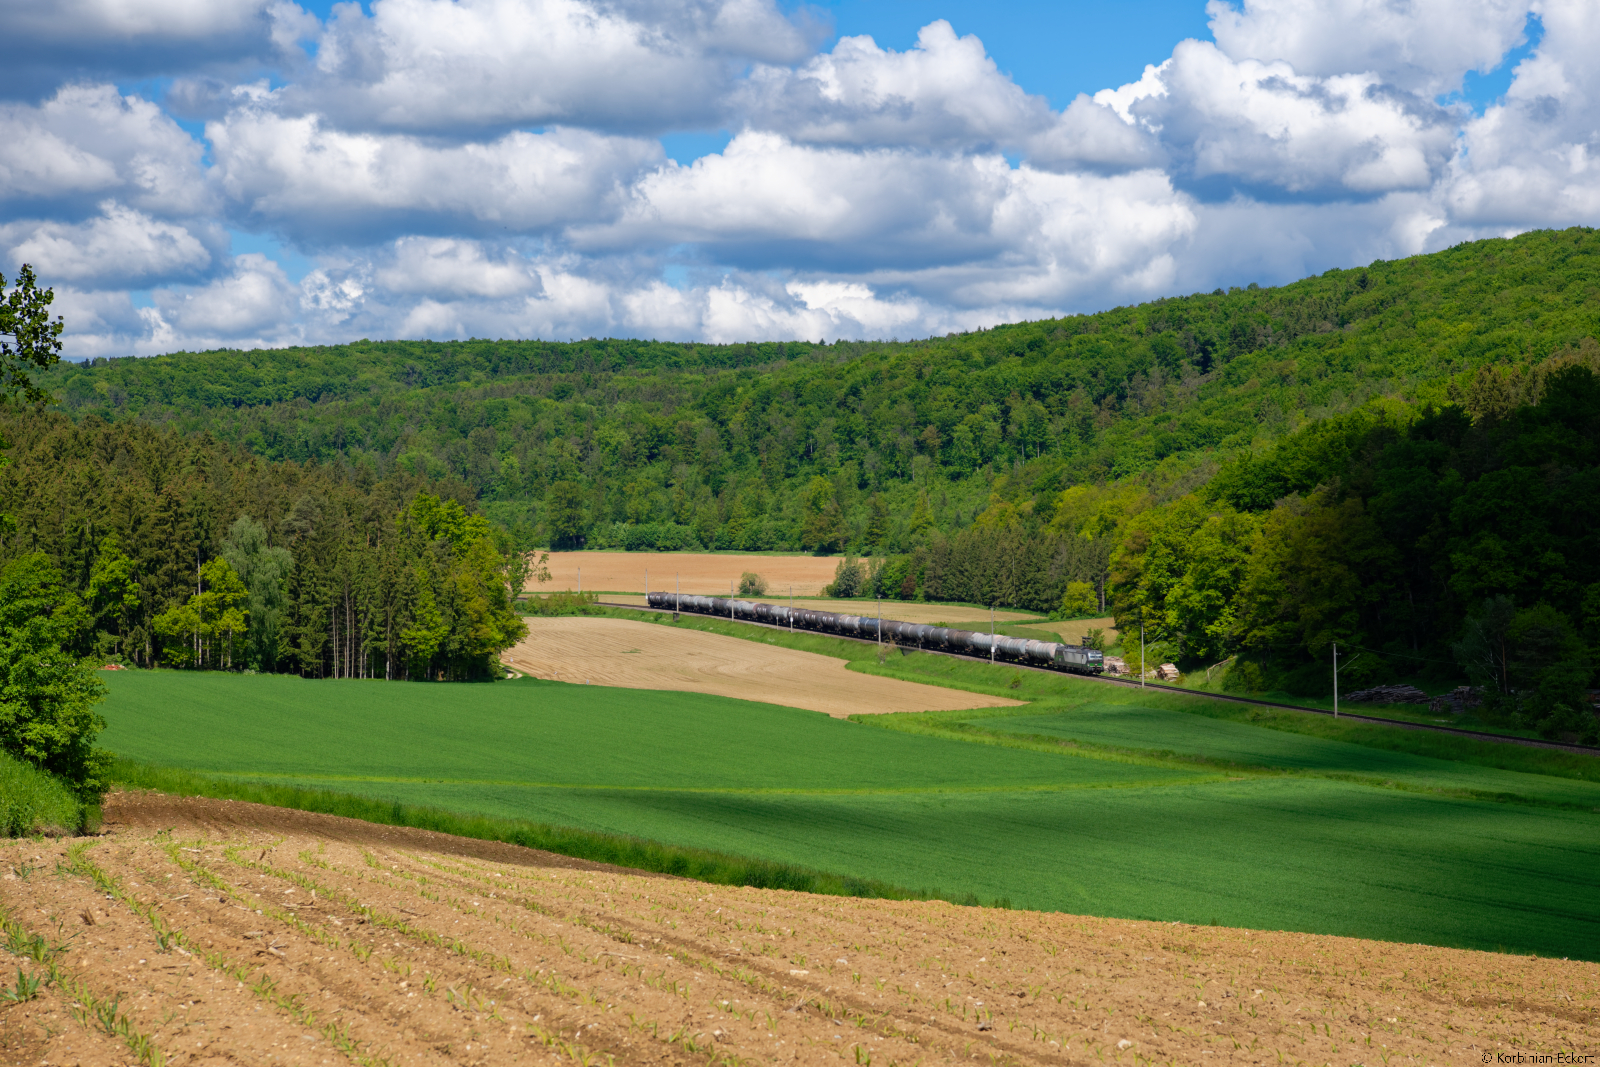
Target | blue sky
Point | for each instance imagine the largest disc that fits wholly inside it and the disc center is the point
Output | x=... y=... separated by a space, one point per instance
x=192 y=173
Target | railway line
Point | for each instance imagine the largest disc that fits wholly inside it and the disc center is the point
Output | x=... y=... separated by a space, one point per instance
x=1526 y=742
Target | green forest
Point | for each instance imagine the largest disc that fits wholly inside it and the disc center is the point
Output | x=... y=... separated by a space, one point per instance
x=1398 y=457
x=182 y=551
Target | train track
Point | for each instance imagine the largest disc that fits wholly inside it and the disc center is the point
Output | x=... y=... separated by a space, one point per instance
x=1526 y=742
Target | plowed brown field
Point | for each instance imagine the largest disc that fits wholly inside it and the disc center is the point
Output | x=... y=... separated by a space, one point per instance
x=642 y=655
x=208 y=932
x=699 y=572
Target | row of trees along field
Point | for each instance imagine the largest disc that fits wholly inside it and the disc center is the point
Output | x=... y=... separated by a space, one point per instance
x=189 y=552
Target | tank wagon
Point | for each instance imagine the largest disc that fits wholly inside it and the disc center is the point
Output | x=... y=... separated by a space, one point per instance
x=1074 y=658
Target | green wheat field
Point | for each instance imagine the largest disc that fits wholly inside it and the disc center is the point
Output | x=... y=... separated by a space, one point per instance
x=1090 y=800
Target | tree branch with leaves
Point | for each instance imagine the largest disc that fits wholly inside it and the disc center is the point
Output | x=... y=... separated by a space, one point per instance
x=30 y=341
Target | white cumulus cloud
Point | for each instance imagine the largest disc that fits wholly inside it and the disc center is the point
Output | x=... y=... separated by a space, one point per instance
x=253 y=301
x=1422 y=46
x=448 y=66
x=492 y=168
x=1534 y=159
x=303 y=177
x=1250 y=123
x=120 y=247
x=944 y=93
x=89 y=141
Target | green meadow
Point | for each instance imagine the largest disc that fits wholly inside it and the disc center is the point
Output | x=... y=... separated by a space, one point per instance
x=1090 y=799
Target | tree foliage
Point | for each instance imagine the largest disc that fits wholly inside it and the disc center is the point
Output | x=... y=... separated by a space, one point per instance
x=194 y=553
x=726 y=442
x=1460 y=534
x=30 y=342
x=47 y=693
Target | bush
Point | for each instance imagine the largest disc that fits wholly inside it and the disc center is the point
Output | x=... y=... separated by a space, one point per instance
x=560 y=604
x=33 y=802
x=1078 y=602
x=752 y=584
x=849 y=579
x=47 y=695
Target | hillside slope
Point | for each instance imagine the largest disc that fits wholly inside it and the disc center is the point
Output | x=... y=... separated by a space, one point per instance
x=649 y=443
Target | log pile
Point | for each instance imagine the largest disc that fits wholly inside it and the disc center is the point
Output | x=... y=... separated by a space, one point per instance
x=1458 y=700
x=1389 y=694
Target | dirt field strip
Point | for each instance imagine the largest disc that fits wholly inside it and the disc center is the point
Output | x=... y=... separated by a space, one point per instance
x=640 y=655
x=1073 y=630
x=227 y=933
x=700 y=572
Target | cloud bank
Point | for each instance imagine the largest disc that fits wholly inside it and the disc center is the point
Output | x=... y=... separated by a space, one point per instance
x=455 y=168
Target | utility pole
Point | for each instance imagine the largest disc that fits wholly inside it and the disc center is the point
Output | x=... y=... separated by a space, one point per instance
x=991 y=635
x=791 y=609
x=580 y=580
x=677 y=595
x=1141 y=652
x=1336 y=679
x=880 y=626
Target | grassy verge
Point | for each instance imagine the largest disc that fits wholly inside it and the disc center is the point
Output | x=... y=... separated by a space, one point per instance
x=701 y=865
x=34 y=802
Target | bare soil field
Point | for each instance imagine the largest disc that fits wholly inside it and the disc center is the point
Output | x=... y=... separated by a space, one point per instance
x=1072 y=631
x=640 y=655
x=905 y=611
x=703 y=573
x=213 y=932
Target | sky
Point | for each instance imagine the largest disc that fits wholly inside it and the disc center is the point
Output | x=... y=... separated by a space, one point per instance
x=194 y=174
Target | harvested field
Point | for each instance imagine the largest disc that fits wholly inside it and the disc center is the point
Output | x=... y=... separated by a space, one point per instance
x=638 y=655
x=967 y=618
x=699 y=572
x=209 y=932
x=1072 y=631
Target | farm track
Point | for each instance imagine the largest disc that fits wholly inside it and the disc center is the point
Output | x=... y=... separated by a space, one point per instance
x=210 y=932
x=1528 y=742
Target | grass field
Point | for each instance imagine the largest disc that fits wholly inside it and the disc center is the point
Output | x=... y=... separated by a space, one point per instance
x=1154 y=812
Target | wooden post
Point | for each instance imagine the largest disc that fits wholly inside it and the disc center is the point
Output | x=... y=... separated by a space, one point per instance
x=1336 y=680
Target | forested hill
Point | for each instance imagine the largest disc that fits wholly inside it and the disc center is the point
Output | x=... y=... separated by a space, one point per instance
x=870 y=445
x=1066 y=464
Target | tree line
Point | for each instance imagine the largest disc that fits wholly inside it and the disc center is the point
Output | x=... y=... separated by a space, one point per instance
x=188 y=552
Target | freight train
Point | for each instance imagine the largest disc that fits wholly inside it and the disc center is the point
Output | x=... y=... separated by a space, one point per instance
x=1075 y=658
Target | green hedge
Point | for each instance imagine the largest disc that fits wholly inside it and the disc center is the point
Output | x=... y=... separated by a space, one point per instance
x=35 y=802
